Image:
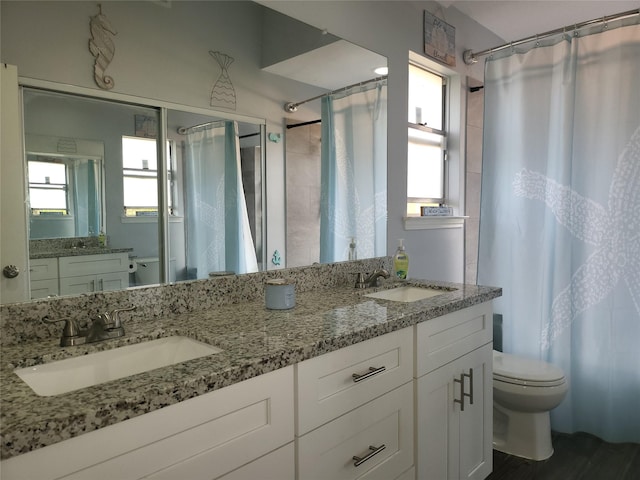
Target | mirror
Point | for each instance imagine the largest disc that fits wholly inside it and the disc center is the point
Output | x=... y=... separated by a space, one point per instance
x=266 y=47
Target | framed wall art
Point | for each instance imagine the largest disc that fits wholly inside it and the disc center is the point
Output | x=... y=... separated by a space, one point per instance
x=439 y=40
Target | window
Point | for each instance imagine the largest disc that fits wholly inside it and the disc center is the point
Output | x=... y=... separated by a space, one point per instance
x=48 y=187
x=140 y=176
x=426 y=151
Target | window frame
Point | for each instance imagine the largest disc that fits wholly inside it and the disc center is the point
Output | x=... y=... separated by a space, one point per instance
x=66 y=188
x=171 y=177
x=443 y=133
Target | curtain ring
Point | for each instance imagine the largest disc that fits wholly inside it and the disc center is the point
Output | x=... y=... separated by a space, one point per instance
x=511 y=47
x=604 y=23
x=537 y=41
x=575 y=29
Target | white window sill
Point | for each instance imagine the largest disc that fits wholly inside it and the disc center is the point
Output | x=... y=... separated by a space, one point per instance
x=434 y=222
x=150 y=219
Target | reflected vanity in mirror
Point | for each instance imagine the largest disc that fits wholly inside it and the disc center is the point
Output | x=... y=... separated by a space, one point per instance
x=115 y=217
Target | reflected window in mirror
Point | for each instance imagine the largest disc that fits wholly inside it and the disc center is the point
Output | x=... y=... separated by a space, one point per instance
x=426 y=152
x=140 y=176
x=48 y=187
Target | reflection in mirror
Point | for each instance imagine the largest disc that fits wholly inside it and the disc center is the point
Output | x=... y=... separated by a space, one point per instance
x=214 y=177
x=84 y=241
x=64 y=177
x=343 y=212
x=221 y=198
x=268 y=48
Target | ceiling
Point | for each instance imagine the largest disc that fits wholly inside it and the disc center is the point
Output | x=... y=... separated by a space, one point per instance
x=515 y=19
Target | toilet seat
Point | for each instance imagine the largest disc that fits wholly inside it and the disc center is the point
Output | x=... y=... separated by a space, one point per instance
x=526 y=372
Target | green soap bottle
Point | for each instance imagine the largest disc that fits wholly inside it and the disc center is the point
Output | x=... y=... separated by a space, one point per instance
x=401 y=260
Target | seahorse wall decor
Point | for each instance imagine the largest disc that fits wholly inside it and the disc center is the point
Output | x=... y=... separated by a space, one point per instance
x=102 y=48
x=223 y=93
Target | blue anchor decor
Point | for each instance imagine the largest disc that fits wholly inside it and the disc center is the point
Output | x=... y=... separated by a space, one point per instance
x=275 y=259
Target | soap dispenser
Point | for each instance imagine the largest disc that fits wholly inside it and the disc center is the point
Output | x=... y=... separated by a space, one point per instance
x=353 y=255
x=401 y=261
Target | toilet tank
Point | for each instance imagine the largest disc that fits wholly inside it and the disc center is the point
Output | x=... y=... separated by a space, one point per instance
x=148 y=270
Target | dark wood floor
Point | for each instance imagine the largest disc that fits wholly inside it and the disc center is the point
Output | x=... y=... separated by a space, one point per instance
x=580 y=456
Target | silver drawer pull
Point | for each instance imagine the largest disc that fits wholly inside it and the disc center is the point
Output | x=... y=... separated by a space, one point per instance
x=470 y=394
x=372 y=371
x=374 y=450
x=462 y=394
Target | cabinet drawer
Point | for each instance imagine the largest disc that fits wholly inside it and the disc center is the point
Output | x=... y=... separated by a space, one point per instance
x=327 y=453
x=93 y=264
x=44 y=288
x=203 y=437
x=443 y=339
x=43 y=269
x=278 y=465
x=327 y=388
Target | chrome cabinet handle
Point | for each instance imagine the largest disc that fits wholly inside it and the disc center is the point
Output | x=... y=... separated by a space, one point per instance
x=374 y=451
x=470 y=394
x=462 y=392
x=357 y=377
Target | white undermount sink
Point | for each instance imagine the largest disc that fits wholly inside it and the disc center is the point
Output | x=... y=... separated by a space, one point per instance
x=87 y=370
x=406 y=294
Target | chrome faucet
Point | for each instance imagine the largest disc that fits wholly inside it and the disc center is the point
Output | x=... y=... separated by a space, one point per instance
x=103 y=327
x=371 y=280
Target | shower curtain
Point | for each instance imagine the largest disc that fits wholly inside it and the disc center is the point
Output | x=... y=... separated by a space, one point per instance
x=560 y=219
x=218 y=235
x=353 y=191
x=86 y=197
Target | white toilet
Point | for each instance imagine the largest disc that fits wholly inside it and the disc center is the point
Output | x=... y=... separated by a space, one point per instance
x=524 y=392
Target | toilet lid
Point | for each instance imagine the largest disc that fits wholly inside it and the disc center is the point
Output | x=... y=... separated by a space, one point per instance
x=524 y=371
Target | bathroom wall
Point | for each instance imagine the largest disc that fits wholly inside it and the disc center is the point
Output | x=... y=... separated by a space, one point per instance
x=475 y=113
x=302 y=167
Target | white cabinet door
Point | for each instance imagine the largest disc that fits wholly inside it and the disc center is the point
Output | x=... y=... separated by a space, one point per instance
x=93 y=273
x=113 y=281
x=453 y=434
x=198 y=439
x=77 y=285
x=13 y=214
x=278 y=465
x=476 y=422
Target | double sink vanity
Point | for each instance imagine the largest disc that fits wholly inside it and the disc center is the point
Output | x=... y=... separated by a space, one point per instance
x=386 y=382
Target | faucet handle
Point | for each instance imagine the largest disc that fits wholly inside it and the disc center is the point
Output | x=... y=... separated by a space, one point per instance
x=70 y=330
x=360 y=281
x=114 y=315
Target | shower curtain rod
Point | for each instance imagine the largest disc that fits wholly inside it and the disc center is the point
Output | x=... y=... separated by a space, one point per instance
x=293 y=106
x=471 y=57
x=185 y=130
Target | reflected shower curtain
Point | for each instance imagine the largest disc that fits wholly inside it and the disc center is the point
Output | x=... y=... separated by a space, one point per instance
x=86 y=197
x=218 y=233
x=560 y=219
x=353 y=198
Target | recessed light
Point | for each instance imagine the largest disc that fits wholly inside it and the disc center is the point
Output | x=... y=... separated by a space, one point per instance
x=381 y=70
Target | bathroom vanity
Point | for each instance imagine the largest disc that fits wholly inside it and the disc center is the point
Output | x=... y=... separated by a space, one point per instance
x=93 y=271
x=342 y=386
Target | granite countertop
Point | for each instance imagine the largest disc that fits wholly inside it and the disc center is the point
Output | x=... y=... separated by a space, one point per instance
x=74 y=252
x=253 y=340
